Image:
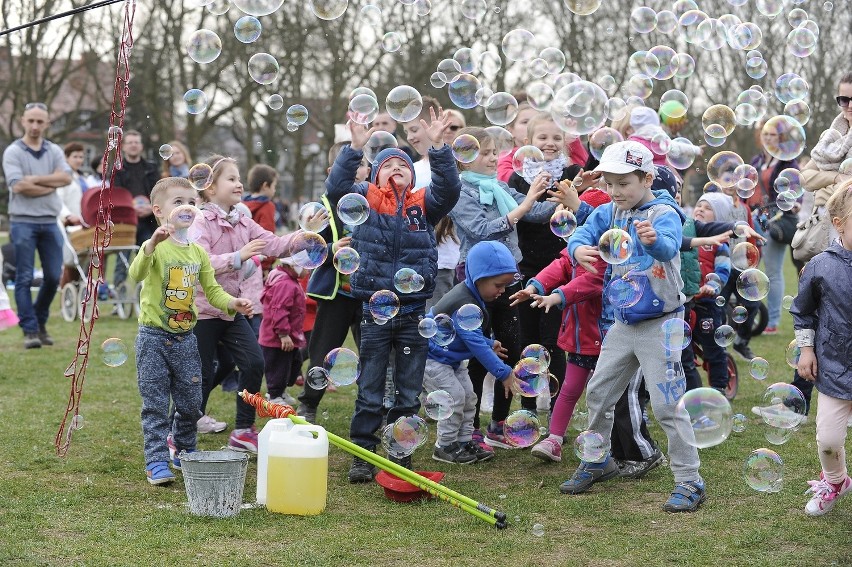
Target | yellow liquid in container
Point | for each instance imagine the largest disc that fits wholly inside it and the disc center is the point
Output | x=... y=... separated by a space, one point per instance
x=297 y=485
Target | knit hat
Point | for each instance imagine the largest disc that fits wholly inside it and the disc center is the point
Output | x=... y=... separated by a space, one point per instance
x=722 y=205
x=665 y=179
x=643 y=116
x=385 y=155
x=595 y=197
x=626 y=157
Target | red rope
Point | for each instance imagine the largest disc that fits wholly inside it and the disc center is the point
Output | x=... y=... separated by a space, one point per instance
x=76 y=371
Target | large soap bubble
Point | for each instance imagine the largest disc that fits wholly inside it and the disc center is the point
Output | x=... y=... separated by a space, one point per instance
x=404 y=103
x=763 y=471
x=783 y=406
x=353 y=209
x=615 y=246
x=783 y=137
x=379 y=140
x=187 y=223
x=342 y=366
x=203 y=46
x=439 y=405
x=258 y=7
x=308 y=249
x=590 y=447
x=703 y=417
x=521 y=428
x=579 y=108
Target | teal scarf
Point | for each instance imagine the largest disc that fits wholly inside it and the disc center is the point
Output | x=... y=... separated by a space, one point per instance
x=491 y=191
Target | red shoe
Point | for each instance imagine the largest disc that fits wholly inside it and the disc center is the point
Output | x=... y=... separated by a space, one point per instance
x=300 y=381
x=769 y=331
x=244 y=440
x=478 y=438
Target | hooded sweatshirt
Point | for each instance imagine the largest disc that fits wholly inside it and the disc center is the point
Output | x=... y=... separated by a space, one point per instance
x=283 y=310
x=656 y=268
x=484 y=260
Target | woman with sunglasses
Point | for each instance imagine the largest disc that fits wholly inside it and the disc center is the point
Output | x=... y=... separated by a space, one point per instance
x=823 y=174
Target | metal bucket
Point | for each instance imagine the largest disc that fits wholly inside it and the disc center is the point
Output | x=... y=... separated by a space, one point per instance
x=214 y=481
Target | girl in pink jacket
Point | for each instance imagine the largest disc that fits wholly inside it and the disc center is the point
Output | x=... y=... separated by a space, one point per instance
x=281 y=331
x=232 y=239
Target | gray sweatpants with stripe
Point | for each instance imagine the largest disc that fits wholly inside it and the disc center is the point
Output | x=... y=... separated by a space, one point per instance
x=168 y=367
x=459 y=426
x=625 y=349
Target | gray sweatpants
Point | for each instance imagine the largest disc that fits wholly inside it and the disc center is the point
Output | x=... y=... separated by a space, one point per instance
x=459 y=426
x=625 y=349
x=168 y=366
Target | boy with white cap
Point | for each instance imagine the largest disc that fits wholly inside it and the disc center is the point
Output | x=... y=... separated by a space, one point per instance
x=637 y=339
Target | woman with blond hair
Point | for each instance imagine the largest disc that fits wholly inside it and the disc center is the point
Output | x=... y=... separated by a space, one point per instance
x=177 y=164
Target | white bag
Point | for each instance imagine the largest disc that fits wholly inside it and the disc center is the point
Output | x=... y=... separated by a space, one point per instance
x=811 y=236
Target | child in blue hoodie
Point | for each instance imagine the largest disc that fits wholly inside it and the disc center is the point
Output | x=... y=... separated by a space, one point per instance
x=637 y=338
x=490 y=269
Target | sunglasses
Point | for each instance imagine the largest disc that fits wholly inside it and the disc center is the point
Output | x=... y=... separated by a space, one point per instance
x=31 y=105
x=843 y=101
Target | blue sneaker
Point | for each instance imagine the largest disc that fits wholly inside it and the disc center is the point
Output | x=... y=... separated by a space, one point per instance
x=158 y=473
x=176 y=459
x=686 y=497
x=588 y=474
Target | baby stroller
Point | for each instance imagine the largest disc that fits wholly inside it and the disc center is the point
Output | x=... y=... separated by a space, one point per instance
x=125 y=297
x=733 y=373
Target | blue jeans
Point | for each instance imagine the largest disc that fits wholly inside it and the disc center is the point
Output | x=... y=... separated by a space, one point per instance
x=27 y=238
x=401 y=334
x=773 y=259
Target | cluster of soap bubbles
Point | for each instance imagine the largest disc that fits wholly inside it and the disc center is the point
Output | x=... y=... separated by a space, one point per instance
x=404 y=436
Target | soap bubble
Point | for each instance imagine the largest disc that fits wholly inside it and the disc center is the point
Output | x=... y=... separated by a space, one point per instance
x=674 y=103
x=525 y=153
x=601 y=139
x=166 y=151
x=703 y=417
x=342 y=366
x=363 y=108
x=778 y=435
x=722 y=167
x=247 y=29
x=384 y=304
x=590 y=447
x=764 y=471
x=263 y=68
x=317 y=378
x=504 y=142
x=538 y=530
x=681 y=153
x=404 y=103
x=203 y=46
x=718 y=121
x=114 y=352
x=724 y=335
x=275 y=101
x=643 y=19
x=469 y=317
x=195 y=100
x=200 y=176
x=450 y=69
x=666 y=22
x=346 y=260
x=439 y=405
x=329 y=9
x=563 y=223
x=720 y=301
x=739 y=314
x=785 y=201
x=465 y=148
x=403 y=280
x=555 y=59
x=427 y=327
x=423 y=7
x=738 y=423
x=521 y=428
x=187 y=223
x=531 y=383
x=787 y=302
x=783 y=137
x=535 y=359
x=799 y=110
x=519 y=45
x=539 y=95
x=756 y=67
x=501 y=108
x=759 y=368
x=580 y=419
x=466 y=58
x=623 y=292
x=392 y=447
x=257 y=7
x=753 y=285
x=685 y=65
x=744 y=256
x=462 y=90
x=311 y=217
x=77 y=423
x=308 y=249
x=579 y=108
x=353 y=209
x=297 y=114
x=445 y=332
x=790 y=180
x=676 y=334
x=410 y=432
x=783 y=406
x=615 y=246
x=582 y=7
x=379 y=140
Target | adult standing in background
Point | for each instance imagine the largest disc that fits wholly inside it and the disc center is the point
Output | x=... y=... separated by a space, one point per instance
x=138 y=176
x=34 y=168
x=70 y=217
x=177 y=164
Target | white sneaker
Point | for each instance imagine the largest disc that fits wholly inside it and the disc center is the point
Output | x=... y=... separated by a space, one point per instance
x=285 y=400
x=779 y=411
x=825 y=496
x=207 y=424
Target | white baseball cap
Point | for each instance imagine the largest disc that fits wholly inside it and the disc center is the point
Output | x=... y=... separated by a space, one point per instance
x=626 y=157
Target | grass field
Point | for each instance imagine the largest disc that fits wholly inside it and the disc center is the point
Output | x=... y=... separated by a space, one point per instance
x=94 y=507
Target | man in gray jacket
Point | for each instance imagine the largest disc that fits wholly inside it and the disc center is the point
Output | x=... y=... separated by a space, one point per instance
x=34 y=167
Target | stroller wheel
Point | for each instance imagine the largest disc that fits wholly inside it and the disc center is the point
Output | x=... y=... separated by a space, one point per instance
x=69 y=301
x=125 y=300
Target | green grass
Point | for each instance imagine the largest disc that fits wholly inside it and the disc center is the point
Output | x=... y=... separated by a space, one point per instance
x=94 y=507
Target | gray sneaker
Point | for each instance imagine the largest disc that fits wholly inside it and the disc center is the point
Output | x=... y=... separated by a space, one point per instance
x=588 y=474
x=307 y=412
x=45 y=339
x=454 y=454
x=361 y=471
x=638 y=469
x=31 y=340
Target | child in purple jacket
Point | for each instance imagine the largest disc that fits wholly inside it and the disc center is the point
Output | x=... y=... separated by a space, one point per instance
x=281 y=334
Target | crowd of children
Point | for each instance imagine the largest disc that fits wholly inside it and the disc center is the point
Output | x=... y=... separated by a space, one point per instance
x=224 y=300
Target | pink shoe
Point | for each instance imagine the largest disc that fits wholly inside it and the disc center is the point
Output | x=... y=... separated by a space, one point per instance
x=244 y=440
x=548 y=450
x=769 y=331
x=825 y=495
x=8 y=319
x=479 y=439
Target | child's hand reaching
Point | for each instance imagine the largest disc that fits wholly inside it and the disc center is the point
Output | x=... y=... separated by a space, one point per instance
x=501 y=351
x=645 y=231
x=546 y=301
x=241 y=305
x=566 y=195
x=586 y=256
x=286 y=343
x=510 y=384
x=586 y=180
x=360 y=134
x=342 y=243
x=807 y=366
x=717 y=239
x=523 y=295
x=251 y=249
x=436 y=127
x=162 y=233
